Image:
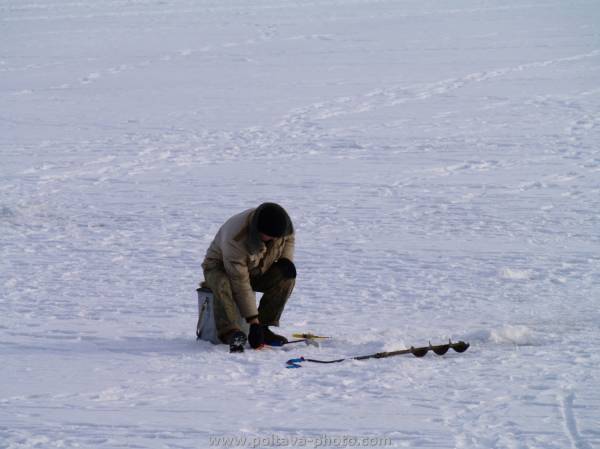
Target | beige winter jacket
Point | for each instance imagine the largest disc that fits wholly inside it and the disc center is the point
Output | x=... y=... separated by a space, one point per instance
x=238 y=250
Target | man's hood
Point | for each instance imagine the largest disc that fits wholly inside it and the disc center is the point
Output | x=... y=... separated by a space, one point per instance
x=254 y=242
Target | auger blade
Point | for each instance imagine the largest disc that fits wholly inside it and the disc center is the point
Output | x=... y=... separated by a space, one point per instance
x=461 y=346
x=439 y=349
x=419 y=352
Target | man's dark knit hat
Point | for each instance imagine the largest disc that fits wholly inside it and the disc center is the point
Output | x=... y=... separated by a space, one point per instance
x=272 y=220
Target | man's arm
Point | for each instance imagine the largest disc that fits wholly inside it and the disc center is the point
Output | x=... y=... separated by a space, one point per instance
x=236 y=267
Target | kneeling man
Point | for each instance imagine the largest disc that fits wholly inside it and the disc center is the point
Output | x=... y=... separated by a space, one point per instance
x=252 y=251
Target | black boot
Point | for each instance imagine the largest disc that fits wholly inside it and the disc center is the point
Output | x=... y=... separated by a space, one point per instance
x=236 y=341
x=273 y=339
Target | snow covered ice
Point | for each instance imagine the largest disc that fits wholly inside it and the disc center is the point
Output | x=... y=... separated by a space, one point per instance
x=440 y=160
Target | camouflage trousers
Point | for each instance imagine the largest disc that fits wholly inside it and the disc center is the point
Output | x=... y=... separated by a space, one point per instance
x=274 y=285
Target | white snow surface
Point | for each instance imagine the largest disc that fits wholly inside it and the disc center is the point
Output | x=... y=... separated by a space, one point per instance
x=440 y=160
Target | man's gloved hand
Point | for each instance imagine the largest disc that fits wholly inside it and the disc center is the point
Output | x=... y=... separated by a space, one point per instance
x=256 y=336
